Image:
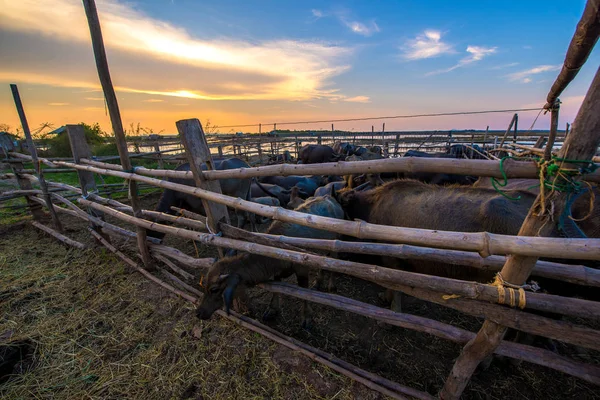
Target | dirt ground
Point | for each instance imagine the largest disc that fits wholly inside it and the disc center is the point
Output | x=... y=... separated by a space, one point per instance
x=91 y=328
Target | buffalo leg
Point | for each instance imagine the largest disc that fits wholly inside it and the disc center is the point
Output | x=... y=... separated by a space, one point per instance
x=274 y=306
x=306 y=308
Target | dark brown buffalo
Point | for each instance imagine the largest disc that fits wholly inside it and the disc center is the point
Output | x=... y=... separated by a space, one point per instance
x=414 y=204
x=317 y=153
x=229 y=277
x=587 y=215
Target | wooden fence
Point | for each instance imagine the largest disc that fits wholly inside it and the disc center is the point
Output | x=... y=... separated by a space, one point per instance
x=484 y=300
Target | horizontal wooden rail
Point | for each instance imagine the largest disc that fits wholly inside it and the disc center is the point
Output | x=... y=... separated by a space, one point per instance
x=487 y=168
x=578 y=274
x=484 y=243
x=380 y=275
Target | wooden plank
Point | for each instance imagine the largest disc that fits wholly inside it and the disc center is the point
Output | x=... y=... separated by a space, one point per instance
x=115 y=117
x=581 y=144
x=512 y=122
x=197 y=151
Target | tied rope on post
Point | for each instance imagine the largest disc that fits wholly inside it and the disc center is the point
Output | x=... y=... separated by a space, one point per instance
x=555 y=177
x=504 y=287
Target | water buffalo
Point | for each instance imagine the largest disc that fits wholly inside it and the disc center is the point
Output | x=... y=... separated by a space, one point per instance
x=587 y=216
x=306 y=184
x=259 y=189
x=280 y=158
x=327 y=189
x=351 y=180
x=317 y=153
x=343 y=148
x=229 y=277
x=295 y=199
x=230 y=187
x=266 y=201
x=414 y=204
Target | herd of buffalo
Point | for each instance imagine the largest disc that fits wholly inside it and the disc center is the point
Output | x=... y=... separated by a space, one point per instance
x=415 y=200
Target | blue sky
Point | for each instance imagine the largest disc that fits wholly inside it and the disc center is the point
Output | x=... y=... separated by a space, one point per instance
x=237 y=62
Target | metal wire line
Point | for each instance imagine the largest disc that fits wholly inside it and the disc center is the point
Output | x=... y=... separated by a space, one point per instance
x=383 y=117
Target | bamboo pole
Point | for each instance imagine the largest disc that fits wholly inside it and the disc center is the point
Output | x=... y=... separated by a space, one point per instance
x=580 y=145
x=512 y=122
x=578 y=274
x=139 y=269
x=484 y=243
x=59 y=236
x=115 y=116
x=487 y=168
x=182 y=283
x=383 y=276
x=553 y=130
x=34 y=157
x=174 y=267
x=436 y=328
x=583 y=41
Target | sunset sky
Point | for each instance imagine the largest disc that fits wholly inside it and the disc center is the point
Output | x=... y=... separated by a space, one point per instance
x=245 y=62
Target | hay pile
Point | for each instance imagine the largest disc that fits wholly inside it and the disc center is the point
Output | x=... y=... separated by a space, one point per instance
x=99 y=331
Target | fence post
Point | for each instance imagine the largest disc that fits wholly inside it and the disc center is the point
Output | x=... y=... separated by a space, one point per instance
x=319 y=139
x=485 y=136
x=161 y=164
x=297 y=148
x=553 y=130
x=512 y=122
x=581 y=145
x=7 y=145
x=81 y=149
x=259 y=129
x=567 y=130
x=33 y=151
x=115 y=118
x=220 y=150
x=198 y=152
x=260 y=151
x=516 y=125
x=396 y=145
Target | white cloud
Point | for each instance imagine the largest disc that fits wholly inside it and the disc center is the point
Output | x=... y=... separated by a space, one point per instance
x=317 y=13
x=426 y=45
x=358 y=99
x=476 y=53
x=95 y=98
x=525 y=76
x=298 y=70
x=153 y=101
x=58 y=104
x=361 y=28
x=510 y=65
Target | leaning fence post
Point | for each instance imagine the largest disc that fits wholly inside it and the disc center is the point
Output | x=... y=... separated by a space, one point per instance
x=161 y=163
x=581 y=145
x=198 y=152
x=115 y=119
x=6 y=146
x=512 y=122
x=81 y=149
x=34 y=158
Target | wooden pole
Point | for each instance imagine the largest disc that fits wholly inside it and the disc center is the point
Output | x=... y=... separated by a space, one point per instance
x=161 y=163
x=516 y=128
x=583 y=41
x=59 y=236
x=259 y=128
x=115 y=117
x=481 y=242
x=512 y=122
x=34 y=157
x=198 y=153
x=580 y=145
x=553 y=130
x=386 y=277
x=80 y=149
x=567 y=130
x=487 y=168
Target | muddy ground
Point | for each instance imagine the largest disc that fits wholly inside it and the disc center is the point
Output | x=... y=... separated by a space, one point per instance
x=94 y=329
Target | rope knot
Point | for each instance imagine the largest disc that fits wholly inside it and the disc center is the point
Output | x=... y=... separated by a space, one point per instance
x=504 y=287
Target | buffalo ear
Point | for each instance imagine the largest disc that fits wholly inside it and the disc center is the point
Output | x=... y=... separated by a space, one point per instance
x=232 y=283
